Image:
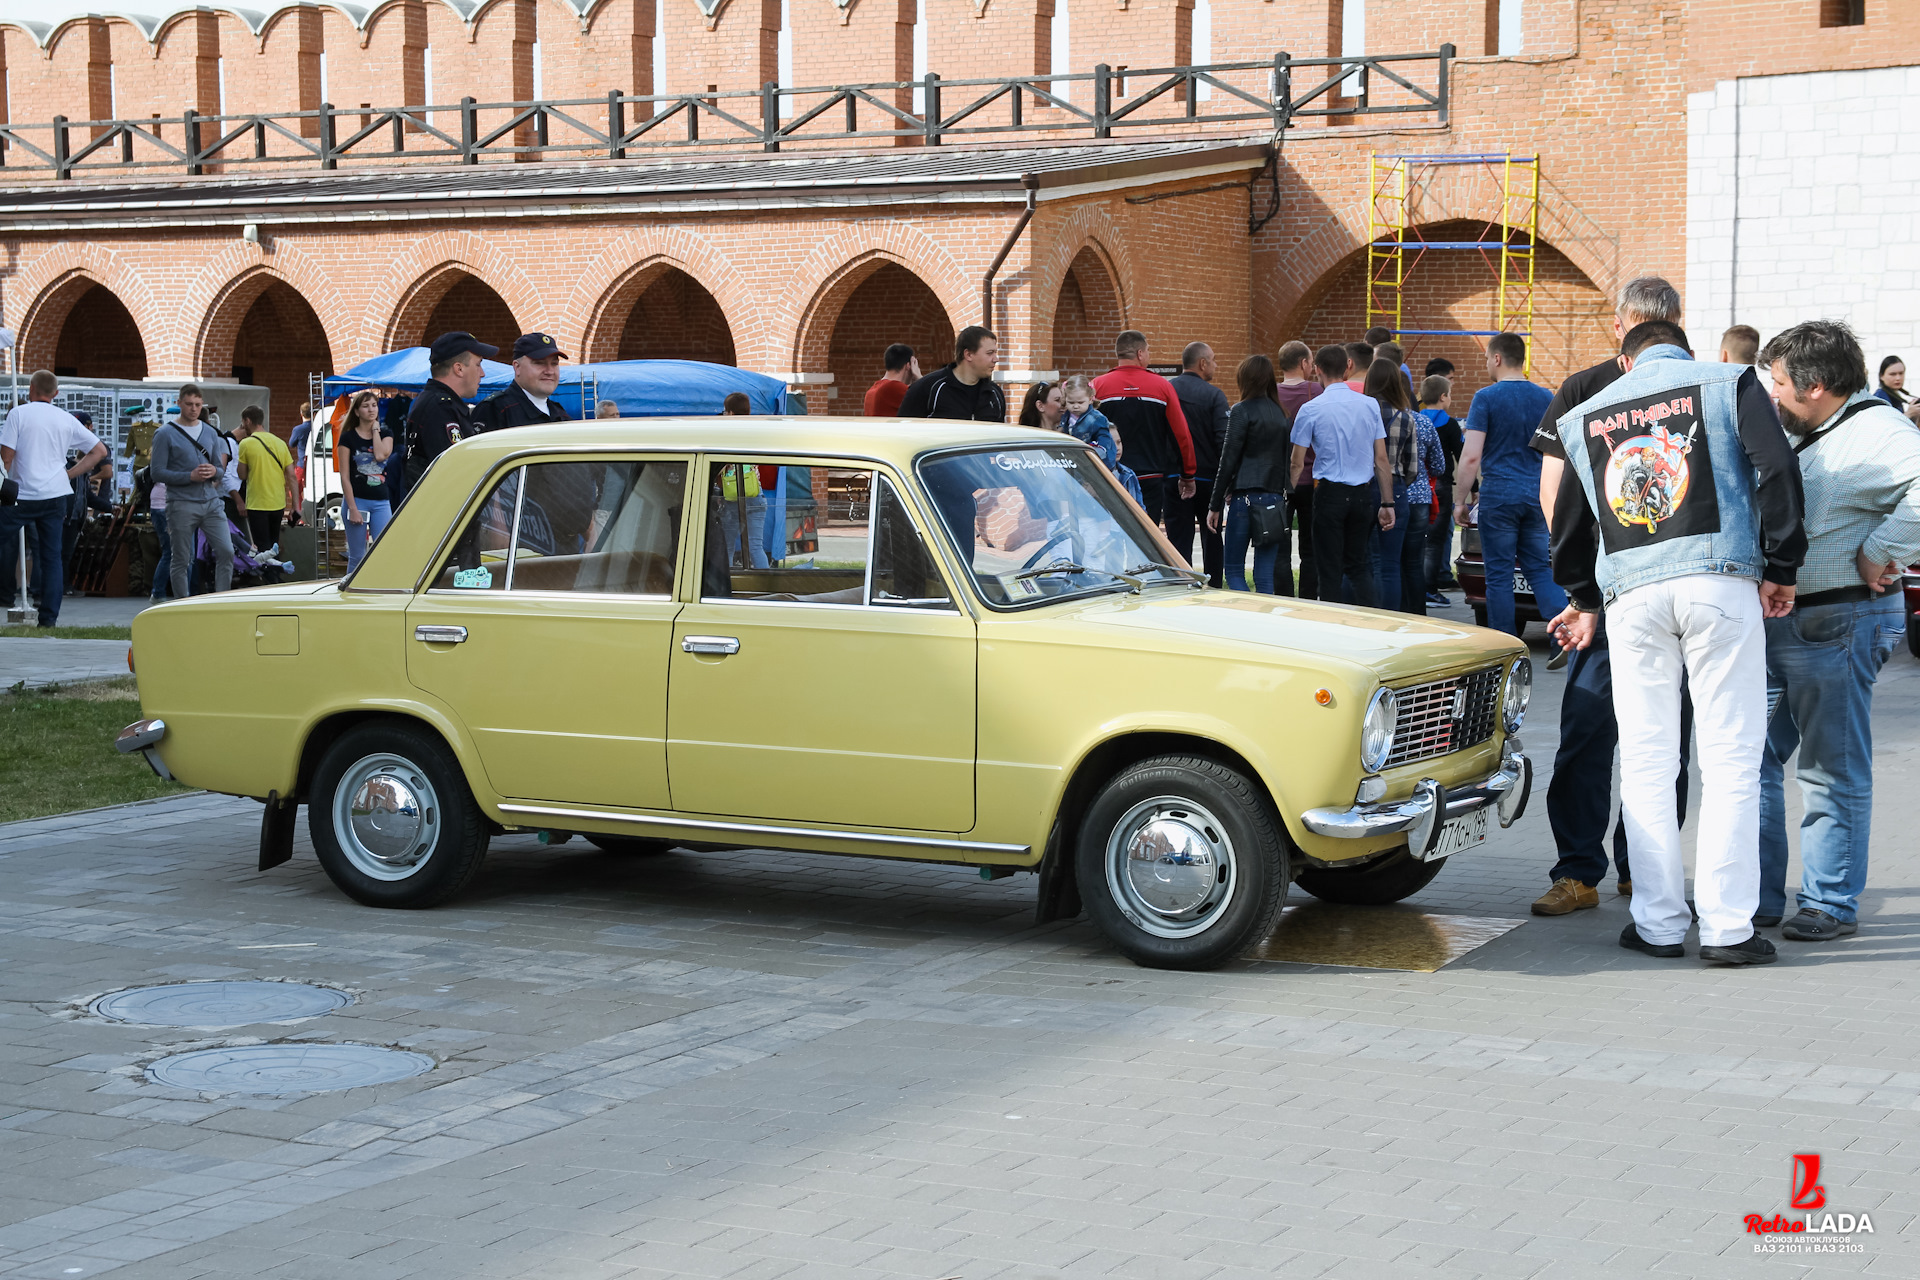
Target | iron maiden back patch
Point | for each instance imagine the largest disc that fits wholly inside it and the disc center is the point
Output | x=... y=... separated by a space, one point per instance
x=1653 y=470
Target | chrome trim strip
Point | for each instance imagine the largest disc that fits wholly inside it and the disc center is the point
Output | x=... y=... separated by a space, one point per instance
x=1364 y=821
x=139 y=735
x=756 y=829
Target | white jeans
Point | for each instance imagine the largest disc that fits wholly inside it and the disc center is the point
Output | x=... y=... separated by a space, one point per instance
x=1710 y=625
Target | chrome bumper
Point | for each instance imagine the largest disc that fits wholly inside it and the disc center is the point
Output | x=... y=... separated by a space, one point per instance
x=143 y=736
x=1422 y=814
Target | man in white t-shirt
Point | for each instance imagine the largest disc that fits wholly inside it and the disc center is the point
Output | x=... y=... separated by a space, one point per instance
x=36 y=442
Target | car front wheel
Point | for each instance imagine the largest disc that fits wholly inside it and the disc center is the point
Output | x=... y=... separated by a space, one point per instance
x=1389 y=879
x=1182 y=863
x=392 y=818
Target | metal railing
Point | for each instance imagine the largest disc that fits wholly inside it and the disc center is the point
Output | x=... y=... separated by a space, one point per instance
x=1118 y=100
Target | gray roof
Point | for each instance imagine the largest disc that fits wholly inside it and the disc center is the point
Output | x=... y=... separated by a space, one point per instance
x=720 y=180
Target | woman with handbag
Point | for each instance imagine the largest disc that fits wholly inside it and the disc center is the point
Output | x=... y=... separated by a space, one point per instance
x=1251 y=486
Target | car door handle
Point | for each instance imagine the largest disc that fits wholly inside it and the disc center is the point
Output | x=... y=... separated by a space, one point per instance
x=722 y=645
x=440 y=635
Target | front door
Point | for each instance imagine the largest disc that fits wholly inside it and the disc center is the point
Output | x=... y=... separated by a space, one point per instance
x=547 y=629
x=834 y=686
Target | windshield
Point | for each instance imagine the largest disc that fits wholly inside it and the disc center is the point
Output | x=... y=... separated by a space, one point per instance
x=1043 y=522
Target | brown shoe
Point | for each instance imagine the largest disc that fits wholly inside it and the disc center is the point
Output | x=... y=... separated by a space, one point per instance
x=1567 y=895
x=1626 y=888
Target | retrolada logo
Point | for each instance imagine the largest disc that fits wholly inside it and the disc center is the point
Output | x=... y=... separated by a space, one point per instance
x=1826 y=1233
x=1030 y=461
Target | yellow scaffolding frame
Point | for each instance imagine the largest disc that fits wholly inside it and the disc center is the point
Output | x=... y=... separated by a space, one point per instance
x=1394 y=182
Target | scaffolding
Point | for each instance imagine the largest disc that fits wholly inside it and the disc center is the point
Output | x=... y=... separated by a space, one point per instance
x=1395 y=245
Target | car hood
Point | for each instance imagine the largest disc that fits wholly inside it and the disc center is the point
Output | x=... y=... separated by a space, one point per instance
x=1394 y=646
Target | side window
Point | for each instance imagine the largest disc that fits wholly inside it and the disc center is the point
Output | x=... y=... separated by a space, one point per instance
x=790 y=534
x=904 y=574
x=479 y=559
x=596 y=527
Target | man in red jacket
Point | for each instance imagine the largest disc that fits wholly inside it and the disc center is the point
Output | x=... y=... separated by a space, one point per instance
x=1145 y=413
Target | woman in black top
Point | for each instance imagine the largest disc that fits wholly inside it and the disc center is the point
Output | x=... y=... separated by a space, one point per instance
x=1253 y=472
x=362 y=455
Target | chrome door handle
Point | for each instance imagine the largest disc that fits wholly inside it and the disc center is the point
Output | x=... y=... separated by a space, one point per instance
x=722 y=645
x=440 y=635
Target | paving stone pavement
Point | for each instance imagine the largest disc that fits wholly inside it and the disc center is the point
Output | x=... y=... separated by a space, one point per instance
x=766 y=1065
x=38 y=660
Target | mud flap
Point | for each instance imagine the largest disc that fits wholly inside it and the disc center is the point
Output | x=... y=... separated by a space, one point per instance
x=1059 y=886
x=276 y=831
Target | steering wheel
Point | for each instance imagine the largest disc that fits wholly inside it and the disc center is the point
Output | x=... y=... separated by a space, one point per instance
x=1049 y=545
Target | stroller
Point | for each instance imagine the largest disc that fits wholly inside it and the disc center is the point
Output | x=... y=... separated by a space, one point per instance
x=251 y=567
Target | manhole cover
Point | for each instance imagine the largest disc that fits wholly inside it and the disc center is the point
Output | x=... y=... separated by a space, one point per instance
x=219 y=1004
x=287 y=1068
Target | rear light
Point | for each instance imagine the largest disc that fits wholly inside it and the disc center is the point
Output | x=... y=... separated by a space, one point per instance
x=129 y=657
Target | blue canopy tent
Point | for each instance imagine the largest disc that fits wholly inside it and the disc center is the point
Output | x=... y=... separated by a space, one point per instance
x=642 y=388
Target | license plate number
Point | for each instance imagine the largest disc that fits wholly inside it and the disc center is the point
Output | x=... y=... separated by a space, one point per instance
x=1461 y=833
x=1521 y=587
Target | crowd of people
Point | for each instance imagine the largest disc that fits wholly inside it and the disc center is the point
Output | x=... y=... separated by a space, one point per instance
x=1744 y=521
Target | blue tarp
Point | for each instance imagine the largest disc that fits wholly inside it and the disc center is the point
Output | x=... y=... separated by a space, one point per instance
x=642 y=388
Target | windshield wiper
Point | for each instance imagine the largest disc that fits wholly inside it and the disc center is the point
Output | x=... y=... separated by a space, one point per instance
x=1192 y=575
x=1134 y=585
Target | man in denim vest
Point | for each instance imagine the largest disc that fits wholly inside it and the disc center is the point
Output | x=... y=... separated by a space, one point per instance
x=1680 y=495
x=1861 y=463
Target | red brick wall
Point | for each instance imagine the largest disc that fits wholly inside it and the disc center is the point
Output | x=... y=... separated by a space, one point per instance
x=1086 y=319
x=472 y=306
x=389 y=69
x=490 y=61
x=872 y=41
x=614 y=52
x=276 y=71
x=676 y=319
x=70 y=78
x=889 y=306
x=280 y=339
x=739 y=50
x=100 y=339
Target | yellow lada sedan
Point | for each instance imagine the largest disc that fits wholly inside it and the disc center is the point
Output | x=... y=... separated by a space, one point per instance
x=936 y=641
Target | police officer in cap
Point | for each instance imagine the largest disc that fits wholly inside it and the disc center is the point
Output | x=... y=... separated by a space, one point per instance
x=528 y=402
x=440 y=417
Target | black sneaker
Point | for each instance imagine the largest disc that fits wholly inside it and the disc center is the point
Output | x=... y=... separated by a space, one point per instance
x=1755 y=950
x=1630 y=939
x=1765 y=922
x=1812 y=925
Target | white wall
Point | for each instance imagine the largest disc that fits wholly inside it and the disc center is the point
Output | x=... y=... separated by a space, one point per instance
x=1803 y=203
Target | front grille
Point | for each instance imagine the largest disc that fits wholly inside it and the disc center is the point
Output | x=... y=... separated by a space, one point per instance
x=1436 y=720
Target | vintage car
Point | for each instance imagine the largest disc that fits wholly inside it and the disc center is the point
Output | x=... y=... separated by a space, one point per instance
x=991 y=659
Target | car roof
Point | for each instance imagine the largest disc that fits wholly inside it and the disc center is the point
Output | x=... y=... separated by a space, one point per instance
x=896 y=440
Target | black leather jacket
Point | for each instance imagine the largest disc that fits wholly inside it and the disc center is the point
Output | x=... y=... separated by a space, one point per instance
x=1257 y=453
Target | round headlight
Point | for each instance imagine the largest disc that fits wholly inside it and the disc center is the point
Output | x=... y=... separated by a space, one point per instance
x=1376 y=732
x=1517 y=693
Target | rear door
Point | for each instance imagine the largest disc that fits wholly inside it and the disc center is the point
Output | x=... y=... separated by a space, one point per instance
x=547 y=628
x=834 y=686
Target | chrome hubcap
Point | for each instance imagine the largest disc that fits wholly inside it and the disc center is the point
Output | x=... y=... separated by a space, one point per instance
x=386 y=816
x=1171 y=867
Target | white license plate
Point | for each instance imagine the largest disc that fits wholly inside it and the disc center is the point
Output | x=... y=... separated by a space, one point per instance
x=1521 y=587
x=1462 y=833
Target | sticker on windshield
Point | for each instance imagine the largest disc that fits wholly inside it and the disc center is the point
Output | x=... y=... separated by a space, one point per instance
x=1019 y=588
x=1031 y=461
x=481 y=578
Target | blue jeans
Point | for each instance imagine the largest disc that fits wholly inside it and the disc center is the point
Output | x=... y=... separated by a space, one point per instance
x=1511 y=531
x=1388 y=545
x=1413 y=557
x=1823 y=662
x=756 y=505
x=361 y=533
x=1240 y=533
x=43 y=519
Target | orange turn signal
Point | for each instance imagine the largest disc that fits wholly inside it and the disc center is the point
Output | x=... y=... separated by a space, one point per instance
x=1323 y=696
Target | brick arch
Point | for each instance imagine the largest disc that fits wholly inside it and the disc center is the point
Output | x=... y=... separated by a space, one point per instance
x=1455 y=290
x=838 y=266
x=612 y=283
x=435 y=265
x=1088 y=311
x=39 y=299
x=1088 y=227
x=232 y=281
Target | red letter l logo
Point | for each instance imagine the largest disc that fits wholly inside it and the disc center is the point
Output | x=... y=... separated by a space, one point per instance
x=1807 y=1191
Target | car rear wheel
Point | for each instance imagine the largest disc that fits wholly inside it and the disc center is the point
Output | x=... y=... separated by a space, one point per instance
x=1374 y=884
x=1182 y=862
x=628 y=846
x=392 y=818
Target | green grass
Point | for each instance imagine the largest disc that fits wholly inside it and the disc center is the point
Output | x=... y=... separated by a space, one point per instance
x=70 y=633
x=56 y=750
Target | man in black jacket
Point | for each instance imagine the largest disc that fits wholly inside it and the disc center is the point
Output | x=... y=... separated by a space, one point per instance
x=440 y=417
x=1205 y=408
x=529 y=401
x=964 y=390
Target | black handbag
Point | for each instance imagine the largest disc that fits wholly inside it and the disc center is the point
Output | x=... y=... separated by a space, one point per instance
x=1266 y=523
